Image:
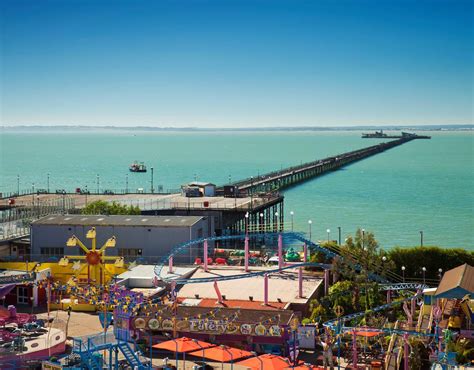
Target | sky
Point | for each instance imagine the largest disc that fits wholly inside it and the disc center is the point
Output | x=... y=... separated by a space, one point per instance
x=226 y=63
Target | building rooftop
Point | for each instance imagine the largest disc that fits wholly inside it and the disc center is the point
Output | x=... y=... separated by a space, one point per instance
x=232 y=303
x=456 y=283
x=116 y=220
x=282 y=287
x=142 y=276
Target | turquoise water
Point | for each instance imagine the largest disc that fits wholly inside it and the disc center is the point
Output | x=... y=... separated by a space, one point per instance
x=423 y=185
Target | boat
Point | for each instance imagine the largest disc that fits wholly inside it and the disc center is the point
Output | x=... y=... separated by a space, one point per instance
x=137 y=167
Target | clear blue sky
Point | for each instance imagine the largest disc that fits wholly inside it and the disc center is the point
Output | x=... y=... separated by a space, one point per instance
x=228 y=63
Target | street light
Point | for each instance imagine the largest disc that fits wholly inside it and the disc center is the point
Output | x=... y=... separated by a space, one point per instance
x=292 y=214
x=421 y=238
x=126 y=183
x=403 y=273
x=310 y=223
x=276 y=219
x=424 y=272
x=339 y=231
x=246 y=223
x=363 y=237
x=440 y=271
x=152 y=190
x=262 y=226
x=328 y=231
x=98 y=182
x=47 y=183
x=18 y=184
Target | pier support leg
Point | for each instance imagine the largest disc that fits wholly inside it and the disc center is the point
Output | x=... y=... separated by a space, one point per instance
x=280 y=251
x=300 y=282
x=246 y=252
x=326 y=282
x=205 y=255
x=265 y=289
x=170 y=265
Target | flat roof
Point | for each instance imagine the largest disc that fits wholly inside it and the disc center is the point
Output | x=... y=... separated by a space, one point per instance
x=119 y=220
x=283 y=285
x=148 y=271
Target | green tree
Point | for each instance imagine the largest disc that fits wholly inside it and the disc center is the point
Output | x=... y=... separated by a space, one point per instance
x=361 y=256
x=101 y=207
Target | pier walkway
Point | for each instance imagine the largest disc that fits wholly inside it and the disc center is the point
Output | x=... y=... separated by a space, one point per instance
x=293 y=175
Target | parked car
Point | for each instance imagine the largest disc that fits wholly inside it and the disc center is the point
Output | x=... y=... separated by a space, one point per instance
x=60 y=191
x=41 y=191
x=108 y=192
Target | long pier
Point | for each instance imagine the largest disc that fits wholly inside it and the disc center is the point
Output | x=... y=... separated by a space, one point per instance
x=290 y=176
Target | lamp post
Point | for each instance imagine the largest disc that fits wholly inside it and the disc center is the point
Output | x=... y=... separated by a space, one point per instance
x=363 y=237
x=276 y=222
x=251 y=192
x=98 y=182
x=126 y=183
x=47 y=183
x=403 y=273
x=86 y=194
x=230 y=179
x=309 y=224
x=421 y=238
x=339 y=232
x=423 y=269
x=152 y=190
x=292 y=214
x=262 y=226
x=33 y=192
x=329 y=232
x=247 y=223
x=18 y=184
x=440 y=273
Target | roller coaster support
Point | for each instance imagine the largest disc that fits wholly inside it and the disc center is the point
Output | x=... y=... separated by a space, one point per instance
x=354 y=349
x=246 y=252
x=170 y=265
x=265 y=289
x=406 y=352
x=205 y=255
x=305 y=252
x=280 y=251
x=300 y=282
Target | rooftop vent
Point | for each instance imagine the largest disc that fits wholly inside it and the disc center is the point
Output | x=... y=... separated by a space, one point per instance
x=223 y=297
x=251 y=298
x=279 y=300
x=196 y=296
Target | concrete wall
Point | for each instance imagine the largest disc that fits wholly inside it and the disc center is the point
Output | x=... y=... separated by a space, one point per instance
x=153 y=241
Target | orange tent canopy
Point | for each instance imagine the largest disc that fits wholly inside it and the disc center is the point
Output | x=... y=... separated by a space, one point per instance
x=266 y=362
x=305 y=367
x=183 y=345
x=367 y=333
x=222 y=353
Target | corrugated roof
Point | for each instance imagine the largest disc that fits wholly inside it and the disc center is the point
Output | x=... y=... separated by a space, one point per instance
x=118 y=220
x=456 y=283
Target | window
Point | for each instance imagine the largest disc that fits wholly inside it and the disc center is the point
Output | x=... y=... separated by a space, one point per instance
x=130 y=252
x=22 y=295
x=52 y=251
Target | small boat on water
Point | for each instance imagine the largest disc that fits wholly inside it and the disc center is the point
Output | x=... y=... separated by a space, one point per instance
x=137 y=167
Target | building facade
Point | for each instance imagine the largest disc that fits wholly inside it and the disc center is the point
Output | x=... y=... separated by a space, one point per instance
x=146 y=237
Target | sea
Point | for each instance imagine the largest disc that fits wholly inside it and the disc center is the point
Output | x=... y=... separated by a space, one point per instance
x=424 y=185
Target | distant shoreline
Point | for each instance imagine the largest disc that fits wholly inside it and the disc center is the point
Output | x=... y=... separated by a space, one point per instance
x=243 y=129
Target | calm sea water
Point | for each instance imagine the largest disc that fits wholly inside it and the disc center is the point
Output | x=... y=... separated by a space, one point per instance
x=423 y=185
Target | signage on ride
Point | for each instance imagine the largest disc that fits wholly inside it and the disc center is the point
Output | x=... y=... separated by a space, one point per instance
x=20 y=278
x=209 y=326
